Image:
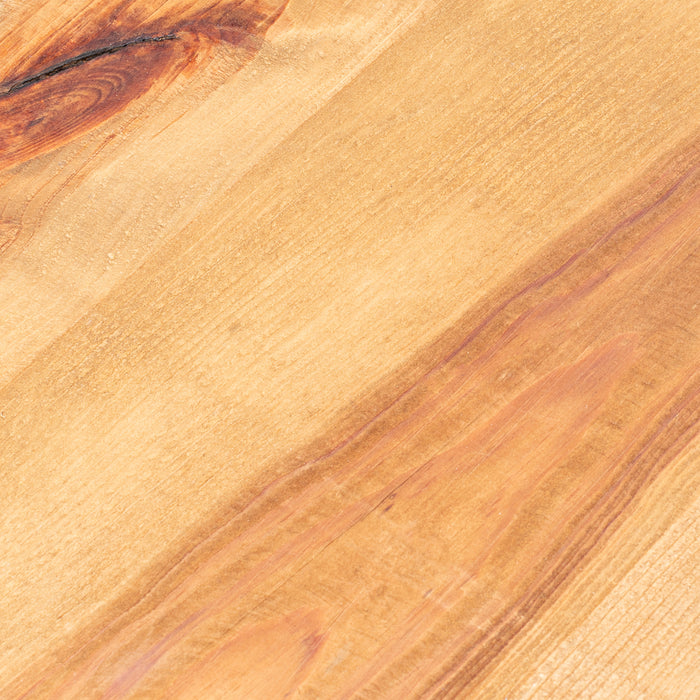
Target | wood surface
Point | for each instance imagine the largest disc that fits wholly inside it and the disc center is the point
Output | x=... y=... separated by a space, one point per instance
x=349 y=350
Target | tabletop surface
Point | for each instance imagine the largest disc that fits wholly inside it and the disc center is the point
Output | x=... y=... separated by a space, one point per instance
x=349 y=349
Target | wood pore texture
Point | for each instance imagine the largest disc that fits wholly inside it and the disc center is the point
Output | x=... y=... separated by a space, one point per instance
x=349 y=349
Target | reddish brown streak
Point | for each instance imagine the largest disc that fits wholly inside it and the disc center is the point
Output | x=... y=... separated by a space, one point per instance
x=103 y=62
x=52 y=111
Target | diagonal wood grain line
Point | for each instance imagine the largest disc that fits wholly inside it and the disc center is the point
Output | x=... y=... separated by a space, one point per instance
x=85 y=57
x=558 y=403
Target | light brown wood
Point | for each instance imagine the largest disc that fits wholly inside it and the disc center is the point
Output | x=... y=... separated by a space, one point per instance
x=349 y=349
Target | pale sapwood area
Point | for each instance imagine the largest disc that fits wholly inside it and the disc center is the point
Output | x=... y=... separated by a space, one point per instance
x=349 y=350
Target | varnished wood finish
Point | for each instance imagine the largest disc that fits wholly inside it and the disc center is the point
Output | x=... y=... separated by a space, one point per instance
x=349 y=351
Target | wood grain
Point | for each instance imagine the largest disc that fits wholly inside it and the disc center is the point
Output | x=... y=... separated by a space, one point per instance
x=349 y=351
x=65 y=84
